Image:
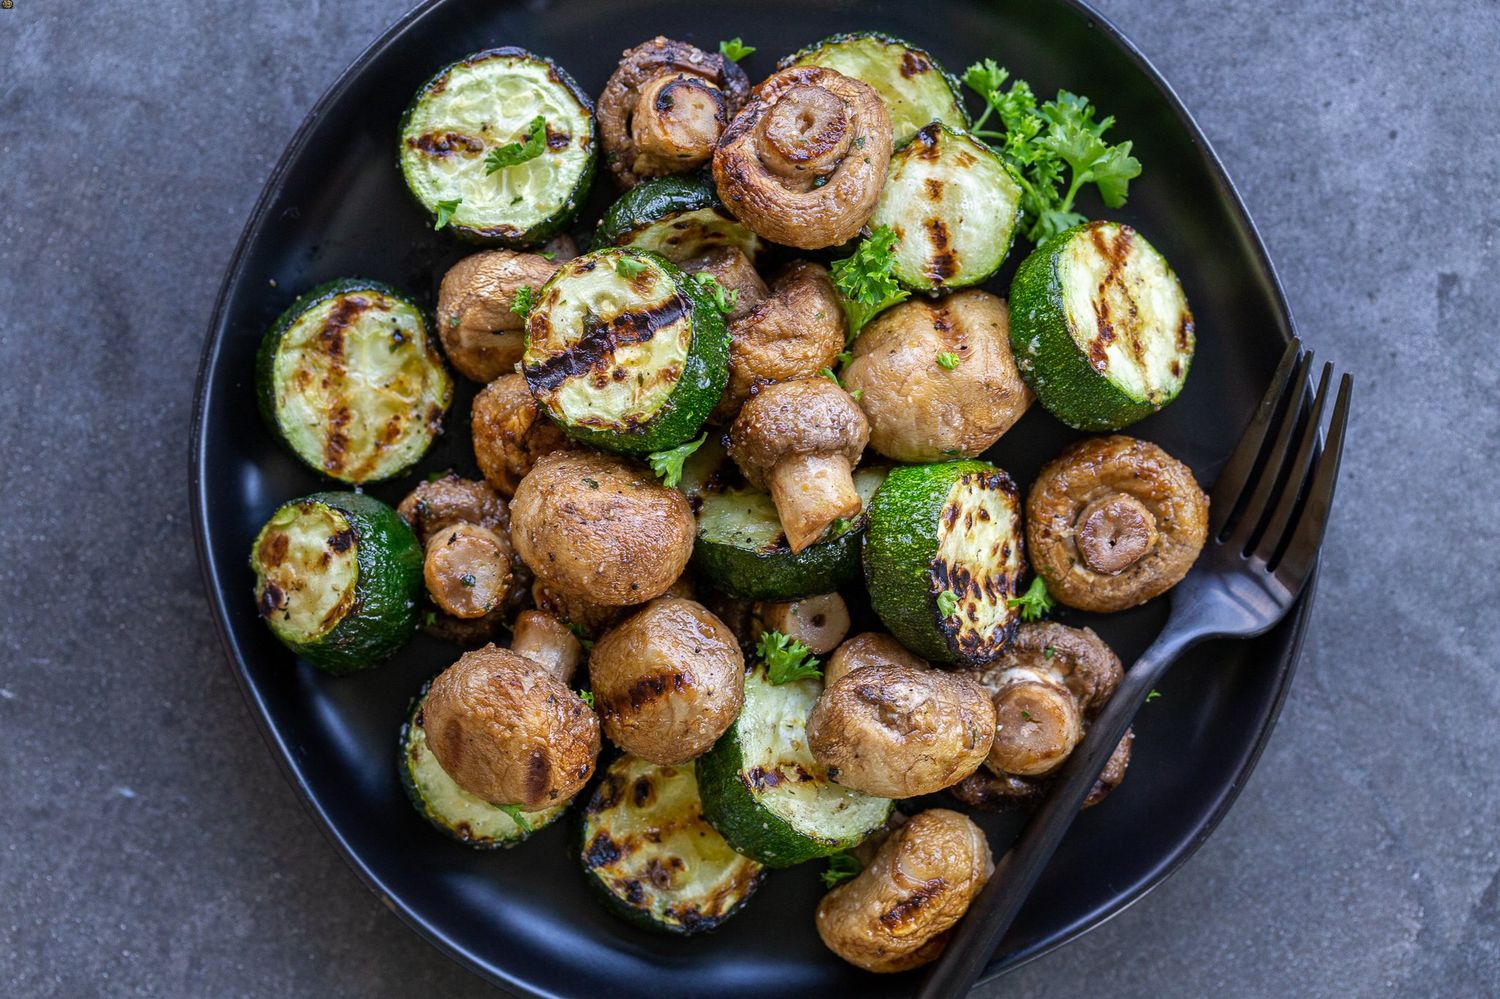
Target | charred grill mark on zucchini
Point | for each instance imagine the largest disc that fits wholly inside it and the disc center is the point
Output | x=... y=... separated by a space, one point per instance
x=594 y=351
x=982 y=580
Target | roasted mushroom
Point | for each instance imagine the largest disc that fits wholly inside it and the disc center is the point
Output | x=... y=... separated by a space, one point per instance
x=508 y=731
x=667 y=681
x=481 y=335
x=896 y=732
x=869 y=648
x=794 y=332
x=589 y=618
x=991 y=792
x=546 y=641
x=735 y=273
x=510 y=432
x=449 y=500
x=601 y=528
x=936 y=378
x=469 y=567
x=800 y=441
x=896 y=913
x=804 y=162
x=819 y=622
x=1114 y=521
x=665 y=107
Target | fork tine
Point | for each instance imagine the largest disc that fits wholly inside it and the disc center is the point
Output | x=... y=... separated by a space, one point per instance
x=1293 y=566
x=1297 y=474
x=1236 y=471
x=1254 y=509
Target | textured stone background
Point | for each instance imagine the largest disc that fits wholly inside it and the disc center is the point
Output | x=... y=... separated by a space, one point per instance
x=150 y=844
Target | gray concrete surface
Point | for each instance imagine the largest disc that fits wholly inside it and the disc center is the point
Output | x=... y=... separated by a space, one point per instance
x=148 y=843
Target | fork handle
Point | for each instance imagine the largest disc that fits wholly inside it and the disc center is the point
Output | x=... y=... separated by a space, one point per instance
x=974 y=941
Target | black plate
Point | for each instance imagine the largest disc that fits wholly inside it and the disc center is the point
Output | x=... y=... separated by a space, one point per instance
x=336 y=206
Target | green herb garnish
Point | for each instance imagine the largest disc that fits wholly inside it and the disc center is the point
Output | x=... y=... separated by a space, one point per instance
x=445 y=210
x=1035 y=602
x=513 y=153
x=587 y=697
x=524 y=301
x=1152 y=696
x=786 y=658
x=668 y=464
x=841 y=867
x=948 y=360
x=734 y=49
x=629 y=267
x=947 y=603
x=726 y=300
x=865 y=281
x=514 y=811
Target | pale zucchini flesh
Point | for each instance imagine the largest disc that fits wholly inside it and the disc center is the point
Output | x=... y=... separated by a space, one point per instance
x=306 y=567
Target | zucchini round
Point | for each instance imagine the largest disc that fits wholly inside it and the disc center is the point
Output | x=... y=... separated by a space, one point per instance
x=648 y=851
x=953 y=206
x=455 y=812
x=766 y=795
x=624 y=352
x=680 y=217
x=1100 y=326
x=348 y=379
x=743 y=551
x=479 y=105
x=915 y=87
x=338 y=579
x=943 y=557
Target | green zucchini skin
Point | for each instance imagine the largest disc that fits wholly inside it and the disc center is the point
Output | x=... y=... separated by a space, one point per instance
x=679 y=216
x=915 y=86
x=520 y=226
x=387 y=589
x=1063 y=356
x=954 y=208
x=549 y=367
x=440 y=801
x=905 y=569
x=623 y=867
x=334 y=453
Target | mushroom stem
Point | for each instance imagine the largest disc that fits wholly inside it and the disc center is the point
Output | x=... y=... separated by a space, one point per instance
x=805 y=135
x=547 y=642
x=1114 y=532
x=676 y=121
x=467 y=570
x=811 y=491
x=1037 y=726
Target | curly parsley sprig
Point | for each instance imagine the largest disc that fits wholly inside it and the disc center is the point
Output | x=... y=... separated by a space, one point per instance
x=866 y=280
x=668 y=464
x=513 y=153
x=1035 y=602
x=786 y=658
x=841 y=867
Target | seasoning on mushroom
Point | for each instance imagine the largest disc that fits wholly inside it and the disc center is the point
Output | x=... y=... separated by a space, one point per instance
x=818 y=622
x=800 y=441
x=510 y=432
x=664 y=108
x=804 y=162
x=1114 y=521
x=896 y=913
x=936 y=378
x=508 y=731
x=869 y=648
x=481 y=333
x=667 y=681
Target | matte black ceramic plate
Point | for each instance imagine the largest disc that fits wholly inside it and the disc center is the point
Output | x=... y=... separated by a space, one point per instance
x=336 y=206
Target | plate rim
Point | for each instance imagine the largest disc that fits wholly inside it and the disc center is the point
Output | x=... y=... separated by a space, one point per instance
x=1284 y=669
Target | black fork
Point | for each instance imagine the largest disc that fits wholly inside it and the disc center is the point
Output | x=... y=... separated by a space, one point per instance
x=1268 y=512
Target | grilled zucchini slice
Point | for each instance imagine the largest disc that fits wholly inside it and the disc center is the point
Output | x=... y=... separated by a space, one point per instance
x=479 y=105
x=943 y=556
x=764 y=792
x=679 y=217
x=915 y=87
x=653 y=858
x=349 y=380
x=455 y=812
x=1100 y=326
x=624 y=352
x=338 y=577
x=954 y=208
x=743 y=551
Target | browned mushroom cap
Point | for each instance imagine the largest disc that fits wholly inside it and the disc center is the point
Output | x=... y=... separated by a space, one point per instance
x=450 y=500
x=804 y=162
x=796 y=332
x=702 y=90
x=481 y=335
x=897 y=732
x=667 y=681
x=922 y=411
x=510 y=432
x=819 y=622
x=1114 y=521
x=800 y=440
x=869 y=648
x=591 y=619
x=546 y=641
x=506 y=730
x=467 y=570
x=898 y=912
x=991 y=792
x=729 y=266
x=601 y=527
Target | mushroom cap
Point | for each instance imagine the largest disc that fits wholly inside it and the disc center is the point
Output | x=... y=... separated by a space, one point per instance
x=667 y=680
x=918 y=410
x=601 y=527
x=869 y=648
x=481 y=336
x=797 y=330
x=504 y=729
x=769 y=162
x=808 y=416
x=640 y=65
x=440 y=503
x=510 y=433
x=729 y=266
x=1064 y=504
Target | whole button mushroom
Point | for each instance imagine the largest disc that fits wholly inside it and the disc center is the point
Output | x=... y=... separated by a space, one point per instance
x=481 y=335
x=735 y=273
x=667 y=681
x=601 y=528
x=937 y=379
x=869 y=648
x=510 y=432
x=800 y=441
x=804 y=162
x=508 y=731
